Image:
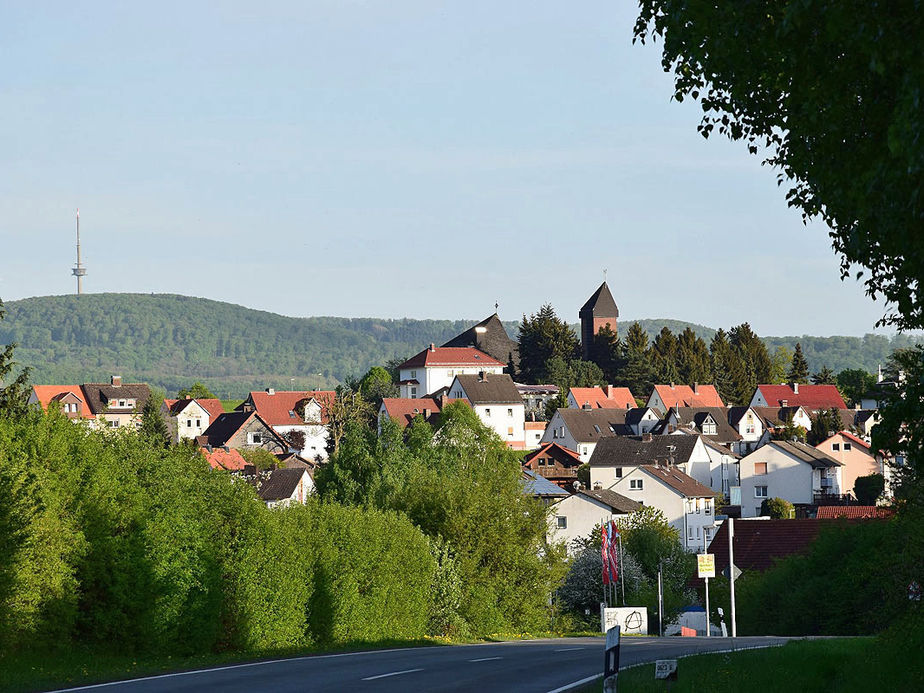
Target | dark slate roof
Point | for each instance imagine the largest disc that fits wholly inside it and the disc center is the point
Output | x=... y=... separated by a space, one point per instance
x=696 y=416
x=615 y=501
x=226 y=425
x=491 y=337
x=758 y=543
x=600 y=304
x=634 y=415
x=806 y=453
x=535 y=485
x=97 y=395
x=624 y=451
x=677 y=480
x=494 y=388
x=848 y=418
x=588 y=425
x=735 y=414
x=864 y=414
x=280 y=484
x=775 y=416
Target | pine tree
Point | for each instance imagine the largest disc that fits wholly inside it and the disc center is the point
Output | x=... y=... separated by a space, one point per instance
x=153 y=427
x=693 y=361
x=636 y=373
x=544 y=336
x=798 y=370
x=13 y=396
x=824 y=377
x=606 y=352
x=756 y=364
x=726 y=367
x=664 y=357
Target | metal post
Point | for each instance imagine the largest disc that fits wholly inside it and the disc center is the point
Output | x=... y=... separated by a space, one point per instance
x=622 y=571
x=731 y=572
x=706 y=551
x=660 y=605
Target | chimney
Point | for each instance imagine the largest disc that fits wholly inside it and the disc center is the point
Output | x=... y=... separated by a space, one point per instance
x=482 y=377
x=609 y=391
x=795 y=388
x=784 y=402
x=432 y=347
x=426 y=413
x=695 y=388
x=598 y=486
x=672 y=385
x=270 y=391
x=443 y=401
x=646 y=438
x=586 y=406
x=116 y=381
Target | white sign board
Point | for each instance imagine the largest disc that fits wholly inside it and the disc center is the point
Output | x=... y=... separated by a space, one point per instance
x=630 y=619
x=666 y=669
x=705 y=562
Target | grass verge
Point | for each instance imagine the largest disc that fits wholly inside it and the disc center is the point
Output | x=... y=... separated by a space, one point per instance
x=848 y=664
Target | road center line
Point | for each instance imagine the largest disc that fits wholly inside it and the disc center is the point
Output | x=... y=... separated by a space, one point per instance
x=391 y=673
x=485 y=659
x=569 y=649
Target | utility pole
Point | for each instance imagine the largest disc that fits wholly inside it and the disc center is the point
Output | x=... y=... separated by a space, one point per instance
x=660 y=602
x=706 y=551
x=79 y=270
x=731 y=572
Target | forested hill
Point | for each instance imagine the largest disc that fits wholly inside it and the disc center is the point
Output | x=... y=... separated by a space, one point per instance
x=170 y=341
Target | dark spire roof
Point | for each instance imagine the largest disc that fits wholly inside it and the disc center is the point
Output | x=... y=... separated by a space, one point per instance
x=491 y=337
x=601 y=304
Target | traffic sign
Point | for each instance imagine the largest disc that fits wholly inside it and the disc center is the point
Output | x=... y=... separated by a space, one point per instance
x=666 y=669
x=737 y=572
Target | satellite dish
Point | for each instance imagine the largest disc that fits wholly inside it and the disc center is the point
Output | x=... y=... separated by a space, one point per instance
x=576 y=485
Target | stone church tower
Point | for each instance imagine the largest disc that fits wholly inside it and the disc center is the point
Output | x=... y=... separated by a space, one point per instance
x=599 y=310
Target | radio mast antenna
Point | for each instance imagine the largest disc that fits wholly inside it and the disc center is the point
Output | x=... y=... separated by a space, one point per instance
x=79 y=270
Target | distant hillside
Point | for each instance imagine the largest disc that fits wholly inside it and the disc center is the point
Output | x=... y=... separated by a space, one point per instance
x=170 y=341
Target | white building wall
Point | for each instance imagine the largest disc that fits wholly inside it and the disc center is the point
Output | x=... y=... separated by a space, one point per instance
x=581 y=515
x=507 y=420
x=432 y=378
x=315 y=439
x=786 y=478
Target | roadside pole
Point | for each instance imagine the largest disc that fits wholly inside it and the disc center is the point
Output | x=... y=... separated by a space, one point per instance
x=706 y=551
x=611 y=660
x=731 y=572
x=660 y=605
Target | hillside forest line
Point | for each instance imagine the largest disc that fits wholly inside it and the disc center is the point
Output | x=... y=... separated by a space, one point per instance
x=168 y=340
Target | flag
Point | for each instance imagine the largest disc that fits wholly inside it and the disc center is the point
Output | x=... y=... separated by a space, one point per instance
x=605 y=552
x=609 y=553
x=613 y=546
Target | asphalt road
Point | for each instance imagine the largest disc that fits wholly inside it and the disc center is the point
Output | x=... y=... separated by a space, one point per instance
x=529 y=665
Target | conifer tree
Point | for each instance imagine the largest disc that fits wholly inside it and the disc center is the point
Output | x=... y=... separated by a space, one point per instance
x=15 y=394
x=544 y=336
x=824 y=377
x=798 y=369
x=636 y=373
x=726 y=367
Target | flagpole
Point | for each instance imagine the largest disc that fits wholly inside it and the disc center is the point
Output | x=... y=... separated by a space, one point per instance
x=622 y=571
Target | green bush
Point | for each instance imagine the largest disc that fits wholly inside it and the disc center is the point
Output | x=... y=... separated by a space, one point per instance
x=777 y=509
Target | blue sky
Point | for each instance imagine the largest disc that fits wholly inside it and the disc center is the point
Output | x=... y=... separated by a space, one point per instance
x=390 y=159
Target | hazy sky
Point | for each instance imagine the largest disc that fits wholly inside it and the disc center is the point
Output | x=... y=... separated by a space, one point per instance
x=403 y=158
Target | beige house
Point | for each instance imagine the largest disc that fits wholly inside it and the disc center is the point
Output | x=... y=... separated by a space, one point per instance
x=189 y=418
x=110 y=405
x=577 y=515
x=793 y=471
x=854 y=454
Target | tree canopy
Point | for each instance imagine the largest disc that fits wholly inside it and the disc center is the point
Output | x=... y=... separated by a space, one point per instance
x=831 y=95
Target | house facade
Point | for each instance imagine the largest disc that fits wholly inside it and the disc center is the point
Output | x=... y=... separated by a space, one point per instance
x=687 y=505
x=615 y=457
x=111 y=405
x=299 y=412
x=242 y=430
x=796 y=472
x=495 y=399
x=854 y=454
x=189 y=418
x=576 y=517
x=580 y=430
x=435 y=368
x=555 y=463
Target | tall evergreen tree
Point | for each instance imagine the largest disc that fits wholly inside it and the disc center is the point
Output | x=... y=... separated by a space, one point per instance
x=153 y=427
x=544 y=336
x=798 y=369
x=726 y=367
x=757 y=367
x=636 y=372
x=664 y=356
x=606 y=352
x=693 y=362
x=15 y=393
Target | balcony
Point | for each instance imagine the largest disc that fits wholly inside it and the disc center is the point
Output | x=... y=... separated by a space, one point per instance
x=822 y=498
x=553 y=473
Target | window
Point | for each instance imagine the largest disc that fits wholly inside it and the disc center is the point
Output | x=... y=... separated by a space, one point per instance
x=749 y=428
x=760 y=468
x=541 y=461
x=198 y=423
x=413 y=374
x=113 y=423
x=487 y=411
x=451 y=373
x=690 y=536
x=847 y=446
x=698 y=506
x=413 y=393
x=584 y=450
x=561 y=522
x=618 y=472
x=708 y=507
x=510 y=431
x=121 y=402
x=188 y=423
x=760 y=491
x=835 y=446
x=709 y=429
x=509 y=412
x=635 y=484
x=256 y=438
x=596 y=428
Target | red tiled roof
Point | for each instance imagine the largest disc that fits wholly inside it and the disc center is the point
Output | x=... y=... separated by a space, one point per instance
x=46 y=393
x=212 y=406
x=812 y=397
x=598 y=398
x=219 y=458
x=555 y=451
x=451 y=356
x=274 y=409
x=403 y=410
x=856 y=439
x=683 y=396
x=853 y=512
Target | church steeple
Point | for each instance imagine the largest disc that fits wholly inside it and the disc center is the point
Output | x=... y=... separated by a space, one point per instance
x=599 y=310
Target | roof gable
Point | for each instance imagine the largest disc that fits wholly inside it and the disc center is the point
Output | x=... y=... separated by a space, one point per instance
x=600 y=304
x=493 y=388
x=590 y=425
x=812 y=397
x=560 y=454
x=624 y=451
x=281 y=408
x=451 y=356
x=686 y=396
x=676 y=480
x=805 y=453
x=598 y=398
x=614 y=501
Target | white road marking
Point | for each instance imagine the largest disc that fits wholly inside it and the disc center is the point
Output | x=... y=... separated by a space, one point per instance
x=392 y=673
x=485 y=659
x=575 y=684
x=569 y=649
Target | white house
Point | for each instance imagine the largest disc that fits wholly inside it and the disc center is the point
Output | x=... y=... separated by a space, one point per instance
x=687 y=504
x=580 y=430
x=750 y=427
x=776 y=418
x=576 y=516
x=793 y=471
x=299 y=412
x=435 y=367
x=283 y=487
x=497 y=402
x=614 y=457
x=189 y=418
